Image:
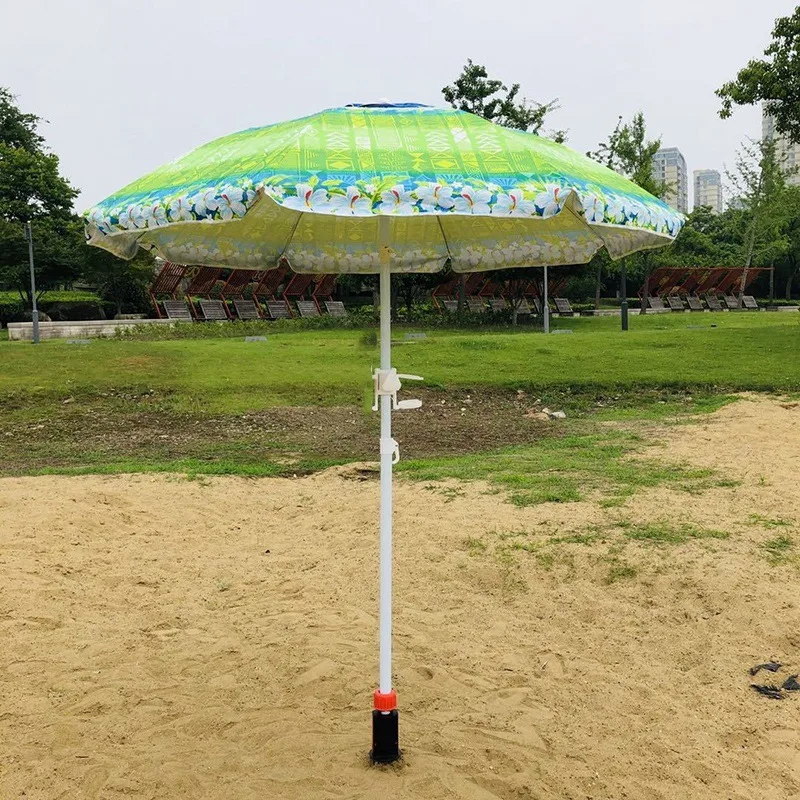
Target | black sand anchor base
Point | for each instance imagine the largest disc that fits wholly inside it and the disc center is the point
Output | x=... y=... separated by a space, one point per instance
x=385 y=737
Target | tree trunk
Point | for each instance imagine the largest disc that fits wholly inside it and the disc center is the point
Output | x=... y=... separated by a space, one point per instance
x=597 y=286
x=462 y=293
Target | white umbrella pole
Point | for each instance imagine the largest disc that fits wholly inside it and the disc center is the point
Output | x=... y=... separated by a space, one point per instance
x=385 y=746
x=387 y=450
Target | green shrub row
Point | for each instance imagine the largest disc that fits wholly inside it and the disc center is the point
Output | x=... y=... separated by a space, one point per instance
x=57 y=306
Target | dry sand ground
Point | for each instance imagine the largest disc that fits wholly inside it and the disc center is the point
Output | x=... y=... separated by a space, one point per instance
x=164 y=638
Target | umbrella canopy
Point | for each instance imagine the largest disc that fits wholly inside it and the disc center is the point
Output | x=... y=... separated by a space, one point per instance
x=382 y=188
x=311 y=190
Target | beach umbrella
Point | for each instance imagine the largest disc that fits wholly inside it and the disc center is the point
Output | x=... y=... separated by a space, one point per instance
x=382 y=188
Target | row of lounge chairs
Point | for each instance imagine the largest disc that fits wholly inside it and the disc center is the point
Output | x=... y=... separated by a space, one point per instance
x=691 y=302
x=498 y=305
x=240 y=308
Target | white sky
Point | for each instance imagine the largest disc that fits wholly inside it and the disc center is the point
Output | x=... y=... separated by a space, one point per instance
x=127 y=86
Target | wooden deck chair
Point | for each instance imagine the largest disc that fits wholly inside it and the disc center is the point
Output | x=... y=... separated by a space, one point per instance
x=694 y=303
x=307 y=308
x=213 y=310
x=246 y=309
x=656 y=304
x=675 y=303
x=450 y=305
x=497 y=305
x=524 y=307
x=712 y=301
x=444 y=291
x=750 y=303
x=201 y=284
x=278 y=309
x=166 y=283
x=563 y=307
x=323 y=289
x=238 y=281
x=297 y=287
x=732 y=302
x=178 y=310
x=267 y=288
x=475 y=305
x=335 y=308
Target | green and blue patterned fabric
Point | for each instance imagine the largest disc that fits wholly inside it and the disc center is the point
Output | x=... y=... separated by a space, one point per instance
x=311 y=190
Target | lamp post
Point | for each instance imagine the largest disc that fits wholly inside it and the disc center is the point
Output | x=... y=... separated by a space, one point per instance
x=35 y=310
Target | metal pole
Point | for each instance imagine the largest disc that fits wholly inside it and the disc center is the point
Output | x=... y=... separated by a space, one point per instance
x=35 y=310
x=772 y=285
x=546 y=309
x=623 y=287
x=385 y=737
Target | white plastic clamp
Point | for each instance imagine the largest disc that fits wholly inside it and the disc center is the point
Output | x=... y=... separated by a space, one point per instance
x=387 y=384
x=390 y=447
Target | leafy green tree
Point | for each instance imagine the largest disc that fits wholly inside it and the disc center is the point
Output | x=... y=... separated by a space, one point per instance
x=629 y=152
x=33 y=190
x=123 y=283
x=773 y=80
x=474 y=91
x=758 y=180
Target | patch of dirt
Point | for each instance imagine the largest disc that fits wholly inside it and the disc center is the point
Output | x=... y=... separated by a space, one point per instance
x=447 y=423
x=217 y=638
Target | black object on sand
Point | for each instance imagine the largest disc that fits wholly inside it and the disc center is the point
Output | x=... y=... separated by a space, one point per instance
x=791 y=684
x=771 y=666
x=769 y=690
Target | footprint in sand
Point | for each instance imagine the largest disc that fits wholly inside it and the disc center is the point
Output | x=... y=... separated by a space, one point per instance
x=551 y=664
x=782 y=746
x=322 y=670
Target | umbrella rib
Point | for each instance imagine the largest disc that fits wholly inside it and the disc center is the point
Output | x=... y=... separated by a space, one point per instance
x=289 y=240
x=444 y=237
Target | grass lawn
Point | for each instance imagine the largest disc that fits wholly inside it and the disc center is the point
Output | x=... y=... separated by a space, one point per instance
x=299 y=401
x=731 y=350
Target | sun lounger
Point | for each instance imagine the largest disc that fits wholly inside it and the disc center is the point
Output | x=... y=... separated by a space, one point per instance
x=476 y=305
x=732 y=302
x=656 y=304
x=177 y=309
x=675 y=303
x=750 y=302
x=213 y=310
x=450 y=305
x=713 y=302
x=278 y=309
x=335 y=308
x=497 y=305
x=246 y=309
x=307 y=308
x=695 y=303
x=524 y=307
x=563 y=306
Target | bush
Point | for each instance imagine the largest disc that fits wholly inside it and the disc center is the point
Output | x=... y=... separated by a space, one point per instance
x=56 y=305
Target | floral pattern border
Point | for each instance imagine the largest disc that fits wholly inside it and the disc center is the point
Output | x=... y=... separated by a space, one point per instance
x=363 y=198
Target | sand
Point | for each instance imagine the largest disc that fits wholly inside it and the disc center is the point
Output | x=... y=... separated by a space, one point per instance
x=167 y=638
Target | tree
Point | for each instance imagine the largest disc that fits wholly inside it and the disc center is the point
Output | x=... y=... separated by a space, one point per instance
x=33 y=190
x=629 y=152
x=474 y=91
x=760 y=184
x=123 y=283
x=773 y=81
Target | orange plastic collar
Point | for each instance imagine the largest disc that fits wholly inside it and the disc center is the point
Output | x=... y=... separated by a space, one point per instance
x=385 y=702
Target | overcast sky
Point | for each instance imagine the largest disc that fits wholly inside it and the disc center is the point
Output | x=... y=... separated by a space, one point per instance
x=127 y=86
